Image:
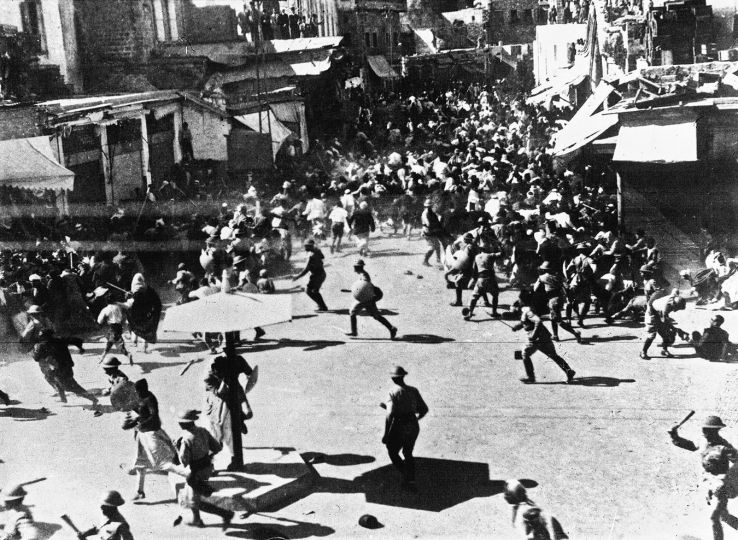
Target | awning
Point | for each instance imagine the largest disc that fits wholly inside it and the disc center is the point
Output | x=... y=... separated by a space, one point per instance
x=381 y=67
x=582 y=132
x=269 y=121
x=662 y=142
x=30 y=164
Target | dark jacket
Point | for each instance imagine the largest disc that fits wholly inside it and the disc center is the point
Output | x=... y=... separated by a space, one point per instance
x=362 y=222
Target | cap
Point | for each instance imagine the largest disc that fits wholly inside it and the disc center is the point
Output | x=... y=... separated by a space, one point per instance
x=263 y=272
x=515 y=492
x=286 y=185
x=368 y=521
x=34 y=277
x=112 y=498
x=713 y=422
x=545 y=265
x=181 y=266
x=13 y=493
x=398 y=371
x=238 y=259
x=111 y=362
x=359 y=263
x=188 y=416
x=468 y=238
x=35 y=309
x=309 y=242
x=427 y=203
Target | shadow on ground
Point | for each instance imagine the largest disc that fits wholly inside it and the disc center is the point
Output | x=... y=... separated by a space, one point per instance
x=605 y=382
x=442 y=484
x=338 y=460
x=345 y=311
x=273 y=531
x=148 y=367
x=309 y=345
x=23 y=414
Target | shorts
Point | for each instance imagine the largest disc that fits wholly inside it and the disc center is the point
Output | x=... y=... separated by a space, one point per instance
x=115 y=333
x=486 y=285
x=337 y=229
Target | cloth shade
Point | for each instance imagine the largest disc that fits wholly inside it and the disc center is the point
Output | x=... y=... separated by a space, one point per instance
x=582 y=131
x=269 y=121
x=30 y=164
x=228 y=312
x=381 y=67
x=657 y=142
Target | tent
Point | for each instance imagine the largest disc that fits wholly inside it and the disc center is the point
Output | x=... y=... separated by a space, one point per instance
x=381 y=67
x=269 y=121
x=30 y=164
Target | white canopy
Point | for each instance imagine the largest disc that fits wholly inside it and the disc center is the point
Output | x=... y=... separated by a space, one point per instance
x=228 y=312
x=30 y=164
x=269 y=121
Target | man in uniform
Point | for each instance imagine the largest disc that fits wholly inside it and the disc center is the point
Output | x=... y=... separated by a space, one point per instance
x=405 y=407
x=658 y=322
x=528 y=518
x=717 y=456
x=365 y=297
x=317 y=274
x=114 y=374
x=485 y=281
x=115 y=526
x=196 y=448
x=539 y=339
x=551 y=286
x=19 y=523
x=432 y=232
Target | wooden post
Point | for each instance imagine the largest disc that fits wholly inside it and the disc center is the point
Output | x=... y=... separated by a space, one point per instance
x=619 y=181
x=105 y=160
x=234 y=400
x=145 y=153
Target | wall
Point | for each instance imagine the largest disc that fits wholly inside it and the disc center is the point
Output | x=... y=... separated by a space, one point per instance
x=361 y=22
x=550 y=48
x=508 y=29
x=18 y=123
x=209 y=133
x=208 y=24
x=59 y=32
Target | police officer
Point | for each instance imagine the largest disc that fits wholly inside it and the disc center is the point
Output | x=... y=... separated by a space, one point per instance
x=717 y=456
x=658 y=322
x=115 y=526
x=196 y=448
x=485 y=281
x=405 y=407
x=551 y=286
x=539 y=339
x=365 y=298
x=317 y=274
x=114 y=374
x=19 y=523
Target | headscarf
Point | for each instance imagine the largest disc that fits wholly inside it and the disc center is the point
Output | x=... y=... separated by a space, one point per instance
x=138 y=283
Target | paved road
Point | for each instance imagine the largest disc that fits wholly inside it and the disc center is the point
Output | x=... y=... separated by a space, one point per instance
x=598 y=450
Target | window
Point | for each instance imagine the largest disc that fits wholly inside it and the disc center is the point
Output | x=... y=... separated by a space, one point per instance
x=161 y=29
x=497 y=17
x=367 y=39
x=528 y=16
x=387 y=39
x=33 y=23
x=513 y=16
x=375 y=42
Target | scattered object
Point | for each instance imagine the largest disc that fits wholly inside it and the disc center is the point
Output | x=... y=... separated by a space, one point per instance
x=419 y=276
x=66 y=519
x=368 y=521
x=408 y=273
x=189 y=364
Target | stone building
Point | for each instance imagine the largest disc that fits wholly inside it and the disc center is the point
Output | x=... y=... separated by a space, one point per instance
x=47 y=31
x=124 y=34
x=371 y=27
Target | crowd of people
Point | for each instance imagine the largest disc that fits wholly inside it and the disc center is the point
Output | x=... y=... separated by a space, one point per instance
x=466 y=169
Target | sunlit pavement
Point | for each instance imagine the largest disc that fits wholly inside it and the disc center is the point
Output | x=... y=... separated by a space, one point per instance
x=598 y=450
